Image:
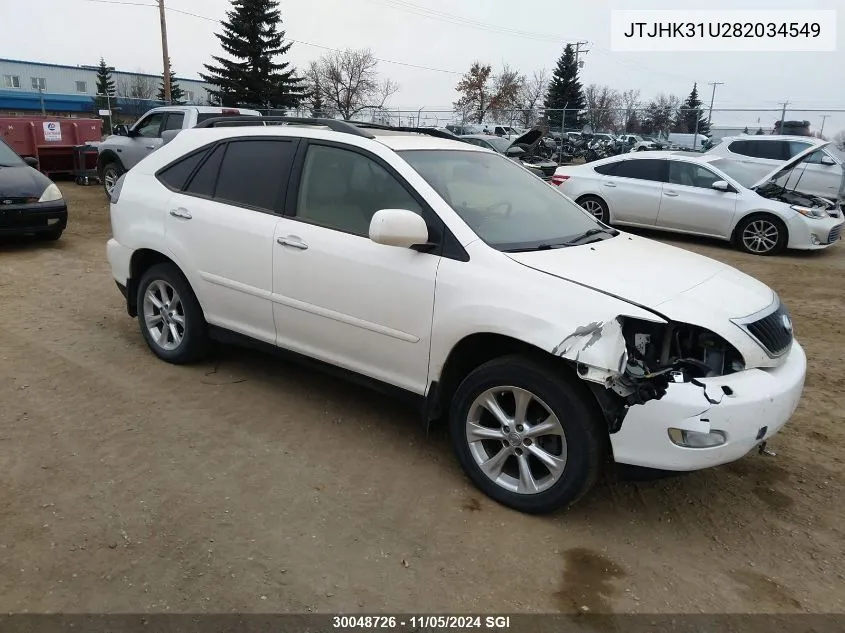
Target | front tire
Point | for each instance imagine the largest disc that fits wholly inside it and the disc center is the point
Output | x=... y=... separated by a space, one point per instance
x=170 y=317
x=110 y=174
x=525 y=436
x=761 y=234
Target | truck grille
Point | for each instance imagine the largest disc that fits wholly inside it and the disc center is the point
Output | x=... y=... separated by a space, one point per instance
x=834 y=234
x=772 y=331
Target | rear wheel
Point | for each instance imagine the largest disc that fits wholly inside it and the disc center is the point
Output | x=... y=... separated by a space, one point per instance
x=596 y=207
x=525 y=436
x=170 y=316
x=761 y=235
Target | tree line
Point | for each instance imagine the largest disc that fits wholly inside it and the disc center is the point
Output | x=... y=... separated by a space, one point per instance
x=253 y=72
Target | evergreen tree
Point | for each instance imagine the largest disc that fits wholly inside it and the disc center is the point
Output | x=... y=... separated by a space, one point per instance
x=177 y=95
x=105 y=86
x=565 y=93
x=105 y=83
x=690 y=112
x=251 y=36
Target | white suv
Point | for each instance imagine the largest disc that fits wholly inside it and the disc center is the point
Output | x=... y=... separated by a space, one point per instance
x=449 y=273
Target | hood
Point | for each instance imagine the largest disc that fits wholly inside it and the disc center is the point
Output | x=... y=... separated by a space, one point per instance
x=22 y=181
x=530 y=139
x=666 y=279
x=792 y=163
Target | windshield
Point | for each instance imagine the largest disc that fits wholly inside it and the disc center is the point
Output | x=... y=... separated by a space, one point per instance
x=505 y=205
x=740 y=172
x=499 y=144
x=8 y=157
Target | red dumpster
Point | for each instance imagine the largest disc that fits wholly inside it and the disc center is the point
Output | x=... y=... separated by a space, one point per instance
x=51 y=141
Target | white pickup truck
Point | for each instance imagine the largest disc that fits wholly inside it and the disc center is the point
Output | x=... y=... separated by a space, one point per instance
x=120 y=152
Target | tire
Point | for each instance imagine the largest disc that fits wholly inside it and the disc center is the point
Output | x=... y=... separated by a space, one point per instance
x=761 y=234
x=596 y=207
x=109 y=175
x=185 y=317
x=50 y=236
x=575 y=435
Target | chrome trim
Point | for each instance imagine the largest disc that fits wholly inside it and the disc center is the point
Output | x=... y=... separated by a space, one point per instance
x=743 y=323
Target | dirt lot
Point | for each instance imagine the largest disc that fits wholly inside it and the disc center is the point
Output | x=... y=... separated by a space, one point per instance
x=248 y=484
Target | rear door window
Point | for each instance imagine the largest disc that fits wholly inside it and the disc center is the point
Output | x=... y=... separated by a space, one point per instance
x=642 y=169
x=254 y=173
x=204 y=181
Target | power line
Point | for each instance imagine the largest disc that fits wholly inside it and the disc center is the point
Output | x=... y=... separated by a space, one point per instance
x=290 y=39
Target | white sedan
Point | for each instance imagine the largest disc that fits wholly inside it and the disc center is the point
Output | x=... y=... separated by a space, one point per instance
x=704 y=194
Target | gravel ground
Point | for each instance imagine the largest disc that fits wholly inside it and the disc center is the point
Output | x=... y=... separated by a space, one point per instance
x=248 y=484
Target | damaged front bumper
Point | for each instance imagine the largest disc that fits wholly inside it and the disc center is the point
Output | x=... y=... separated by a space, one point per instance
x=748 y=407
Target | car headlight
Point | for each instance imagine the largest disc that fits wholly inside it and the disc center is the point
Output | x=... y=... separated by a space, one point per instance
x=51 y=194
x=809 y=212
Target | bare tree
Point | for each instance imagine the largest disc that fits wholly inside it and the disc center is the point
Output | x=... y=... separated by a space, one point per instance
x=136 y=94
x=630 y=102
x=315 y=97
x=348 y=82
x=533 y=91
x=482 y=93
x=839 y=140
x=601 y=103
x=660 y=113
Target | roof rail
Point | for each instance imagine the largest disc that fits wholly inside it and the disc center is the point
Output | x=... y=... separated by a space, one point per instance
x=333 y=124
x=430 y=131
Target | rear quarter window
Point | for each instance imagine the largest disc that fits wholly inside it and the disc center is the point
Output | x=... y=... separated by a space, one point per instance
x=176 y=175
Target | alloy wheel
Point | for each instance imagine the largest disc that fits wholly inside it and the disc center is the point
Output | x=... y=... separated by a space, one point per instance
x=516 y=440
x=760 y=236
x=110 y=179
x=593 y=207
x=164 y=315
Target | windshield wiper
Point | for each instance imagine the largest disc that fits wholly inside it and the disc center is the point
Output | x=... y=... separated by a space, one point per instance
x=586 y=234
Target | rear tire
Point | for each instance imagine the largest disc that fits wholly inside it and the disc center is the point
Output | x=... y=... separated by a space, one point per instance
x=596 y=207
x=539 y=460
x=170 y=317
x=761 y=234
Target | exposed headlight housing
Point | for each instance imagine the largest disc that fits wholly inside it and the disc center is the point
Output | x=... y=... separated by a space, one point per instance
x=51 y=194
x=811 y=212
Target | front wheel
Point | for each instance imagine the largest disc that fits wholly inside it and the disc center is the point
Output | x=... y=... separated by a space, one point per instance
x=761 y=235
x=170 y=316
x=110 y=175
x=525 y=436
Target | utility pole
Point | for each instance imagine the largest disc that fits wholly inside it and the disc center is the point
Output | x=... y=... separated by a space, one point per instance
x=713 y=98
x=783 y=116
x=578 y=52
x=164 y=54
x=824 y=117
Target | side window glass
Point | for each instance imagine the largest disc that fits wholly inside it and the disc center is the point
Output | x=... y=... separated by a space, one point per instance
x=174 y=121
x=606 y=170
x=814 y=158
x=771 y=150
x=796 y=147
x=740 y=147
x=178 y=173
x=641 y=169
x=690 y=175
x=342 y=190
x=204 y=181
x=151 y=126
x=254 y=173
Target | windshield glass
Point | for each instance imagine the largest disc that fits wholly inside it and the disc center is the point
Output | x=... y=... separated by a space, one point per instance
x=738 y=171
x=8 y=157
x=505 y=205
x=500 y=144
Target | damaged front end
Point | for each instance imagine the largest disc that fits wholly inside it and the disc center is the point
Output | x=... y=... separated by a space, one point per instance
x=629 y=361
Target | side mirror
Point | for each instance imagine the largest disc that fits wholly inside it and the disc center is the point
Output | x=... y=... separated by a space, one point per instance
x=398 y=227
x=514 y=151
x=120 y=130
x=168 y=135
x=827 y=160
x=31 y=161
x=721 y=185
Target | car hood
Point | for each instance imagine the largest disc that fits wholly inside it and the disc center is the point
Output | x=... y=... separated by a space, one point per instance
x=22 y=181
x=531 y=138
x=792 y=163
x=674 y=282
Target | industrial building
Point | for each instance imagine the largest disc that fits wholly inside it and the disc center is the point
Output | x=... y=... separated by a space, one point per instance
x=58 y=90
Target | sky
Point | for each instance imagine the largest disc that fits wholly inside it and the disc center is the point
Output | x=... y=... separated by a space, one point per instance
x=435 y=45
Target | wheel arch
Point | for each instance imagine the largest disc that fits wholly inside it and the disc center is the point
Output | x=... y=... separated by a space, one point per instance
x=141 y=261
x=108 y=156
x=758 y=213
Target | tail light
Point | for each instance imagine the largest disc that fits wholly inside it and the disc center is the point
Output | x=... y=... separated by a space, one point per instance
x=559 y=179
x=230 y=112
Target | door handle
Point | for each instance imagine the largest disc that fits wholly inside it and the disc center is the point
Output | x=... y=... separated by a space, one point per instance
x=609 y=184
x=671 y=194
x=181 y=213
x=150 y=146
x=293 y=241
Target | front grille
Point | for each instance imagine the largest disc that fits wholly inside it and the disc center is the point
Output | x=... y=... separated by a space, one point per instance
x=772 y=331
x=9 y=200
x=834 y=234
